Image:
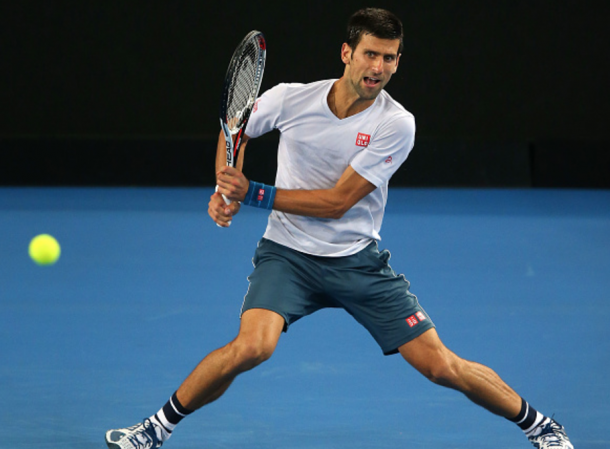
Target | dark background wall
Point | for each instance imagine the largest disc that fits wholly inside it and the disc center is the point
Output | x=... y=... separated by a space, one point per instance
x=505 y=92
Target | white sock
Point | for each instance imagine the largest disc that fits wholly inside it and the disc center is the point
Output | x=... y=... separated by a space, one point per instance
x=539 y=421
x=162 y=427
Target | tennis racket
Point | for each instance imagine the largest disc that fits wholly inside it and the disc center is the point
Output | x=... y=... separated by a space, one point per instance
x=241 y=86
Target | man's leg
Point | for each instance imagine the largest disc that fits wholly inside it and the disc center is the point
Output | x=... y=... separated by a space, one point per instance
x=259 y=333
x=480 y=384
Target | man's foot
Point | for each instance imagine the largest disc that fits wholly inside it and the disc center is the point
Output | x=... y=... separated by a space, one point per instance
x=140 y=436
x=550 y=435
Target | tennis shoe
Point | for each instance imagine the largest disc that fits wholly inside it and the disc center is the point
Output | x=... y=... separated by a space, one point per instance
x=550 y=435
x=140 y=436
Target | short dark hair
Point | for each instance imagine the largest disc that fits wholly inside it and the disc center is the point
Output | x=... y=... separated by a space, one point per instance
x=376 y=22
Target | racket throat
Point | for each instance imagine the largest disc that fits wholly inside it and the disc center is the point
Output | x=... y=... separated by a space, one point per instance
x=229 y=144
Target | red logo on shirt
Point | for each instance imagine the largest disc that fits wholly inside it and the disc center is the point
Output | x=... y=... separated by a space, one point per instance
x=388 y=160
x=363 y=140
x=255 y=107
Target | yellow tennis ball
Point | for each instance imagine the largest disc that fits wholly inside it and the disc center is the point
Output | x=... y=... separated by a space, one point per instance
x=44 y=249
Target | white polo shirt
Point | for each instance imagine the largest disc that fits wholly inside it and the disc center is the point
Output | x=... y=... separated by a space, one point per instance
x=316 y=147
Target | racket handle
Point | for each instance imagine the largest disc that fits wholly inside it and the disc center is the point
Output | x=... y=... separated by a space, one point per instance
x=228 y=201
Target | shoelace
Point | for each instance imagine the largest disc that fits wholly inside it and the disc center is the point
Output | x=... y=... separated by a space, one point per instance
x=143 y=439
x=132 y=428
x=549 y=437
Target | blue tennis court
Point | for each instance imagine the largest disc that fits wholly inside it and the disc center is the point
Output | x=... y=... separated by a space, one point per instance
x=147 y=285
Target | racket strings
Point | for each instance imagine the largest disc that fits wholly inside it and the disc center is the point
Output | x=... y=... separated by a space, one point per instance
x=244 y=84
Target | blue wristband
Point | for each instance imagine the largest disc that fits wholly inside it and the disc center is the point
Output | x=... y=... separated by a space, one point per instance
x=260 y=195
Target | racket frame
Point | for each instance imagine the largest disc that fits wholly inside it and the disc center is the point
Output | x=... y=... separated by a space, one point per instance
x=234 y=135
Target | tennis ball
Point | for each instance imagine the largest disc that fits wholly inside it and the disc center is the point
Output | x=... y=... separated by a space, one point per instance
x=44 y=249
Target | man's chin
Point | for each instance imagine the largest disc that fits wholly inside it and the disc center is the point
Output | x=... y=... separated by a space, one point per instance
x=370 y=93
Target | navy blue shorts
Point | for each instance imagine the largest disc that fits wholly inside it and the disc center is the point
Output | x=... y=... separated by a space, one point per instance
x=294 y=285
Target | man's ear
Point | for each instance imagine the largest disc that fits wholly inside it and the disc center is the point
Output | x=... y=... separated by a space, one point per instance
x=397 y=61
x=346 y=53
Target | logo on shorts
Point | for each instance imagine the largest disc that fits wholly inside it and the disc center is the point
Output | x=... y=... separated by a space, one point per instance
x=415 y=319
x=363 y=140
x=388 y=160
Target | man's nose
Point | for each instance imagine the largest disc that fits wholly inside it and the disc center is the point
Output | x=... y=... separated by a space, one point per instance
x=378 y=65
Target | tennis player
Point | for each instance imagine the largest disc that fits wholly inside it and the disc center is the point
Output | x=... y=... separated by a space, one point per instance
x=341 y=141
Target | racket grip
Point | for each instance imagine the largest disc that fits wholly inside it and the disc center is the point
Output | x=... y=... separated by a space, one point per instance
x=228 y=201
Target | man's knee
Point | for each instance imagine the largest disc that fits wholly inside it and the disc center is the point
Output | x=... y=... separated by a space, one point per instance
x=444 y=371
x=430 y=357
x=259 y=333
x=249 y=353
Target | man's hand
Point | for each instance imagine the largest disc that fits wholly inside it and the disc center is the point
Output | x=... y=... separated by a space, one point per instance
x=232 y=183
x=221 y=212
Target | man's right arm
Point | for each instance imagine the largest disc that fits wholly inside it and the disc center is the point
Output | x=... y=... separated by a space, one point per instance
x=264 y=118
x=218 y=210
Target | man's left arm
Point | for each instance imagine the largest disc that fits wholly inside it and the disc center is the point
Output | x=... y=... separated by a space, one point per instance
x=323 y=203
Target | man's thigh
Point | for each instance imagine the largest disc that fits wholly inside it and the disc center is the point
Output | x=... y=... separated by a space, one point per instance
x=286 y=282
x=379 y=299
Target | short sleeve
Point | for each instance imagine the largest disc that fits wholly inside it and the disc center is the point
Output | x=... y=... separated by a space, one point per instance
x=387 y=150
x=266 y=112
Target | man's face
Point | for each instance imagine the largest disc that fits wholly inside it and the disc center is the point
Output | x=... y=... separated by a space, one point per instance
x=370 y=66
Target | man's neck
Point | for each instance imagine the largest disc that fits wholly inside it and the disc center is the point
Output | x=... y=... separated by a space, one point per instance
x=344 y=102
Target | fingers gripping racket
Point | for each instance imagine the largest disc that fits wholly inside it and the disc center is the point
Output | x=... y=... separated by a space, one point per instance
x=241 y=86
